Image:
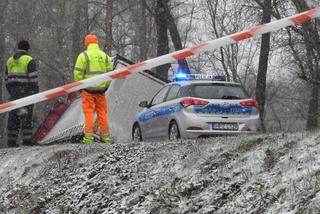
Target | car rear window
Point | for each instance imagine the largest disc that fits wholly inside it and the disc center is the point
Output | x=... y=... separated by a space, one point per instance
x=213 y=91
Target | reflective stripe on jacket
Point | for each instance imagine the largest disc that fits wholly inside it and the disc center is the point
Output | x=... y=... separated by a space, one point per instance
x=18 y=70
x=90 y=63
x=21 y=76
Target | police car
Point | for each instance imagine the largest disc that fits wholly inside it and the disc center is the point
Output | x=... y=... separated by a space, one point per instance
x=196 y=105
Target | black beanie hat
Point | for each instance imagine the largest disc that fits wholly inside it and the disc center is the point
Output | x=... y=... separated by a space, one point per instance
x=23 y=45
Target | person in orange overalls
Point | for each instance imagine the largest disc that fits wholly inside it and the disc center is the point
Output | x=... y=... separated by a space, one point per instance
x=90 y=63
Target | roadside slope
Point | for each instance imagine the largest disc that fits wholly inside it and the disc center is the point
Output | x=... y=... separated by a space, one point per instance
x=249 y=174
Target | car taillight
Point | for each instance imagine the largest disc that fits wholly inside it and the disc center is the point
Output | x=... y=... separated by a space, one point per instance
x=189 y=102
x=249 y=103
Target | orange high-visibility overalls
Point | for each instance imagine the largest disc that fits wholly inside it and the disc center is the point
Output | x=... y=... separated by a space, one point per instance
x=90 y=63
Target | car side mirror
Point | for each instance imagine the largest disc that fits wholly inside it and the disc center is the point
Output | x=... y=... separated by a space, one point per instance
x=144 y=104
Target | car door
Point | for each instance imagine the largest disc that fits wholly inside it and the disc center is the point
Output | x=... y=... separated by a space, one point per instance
x=167 y=108
x=152 y=124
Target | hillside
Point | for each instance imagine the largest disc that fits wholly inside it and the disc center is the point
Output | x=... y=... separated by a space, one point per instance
x=277 y=173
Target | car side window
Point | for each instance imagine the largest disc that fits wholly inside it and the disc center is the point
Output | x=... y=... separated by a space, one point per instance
x=160 y=96
x=184 y=92
x=173 y=92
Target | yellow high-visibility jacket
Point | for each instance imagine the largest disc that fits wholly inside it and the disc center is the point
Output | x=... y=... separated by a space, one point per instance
x=90 y=63
x=21 y=75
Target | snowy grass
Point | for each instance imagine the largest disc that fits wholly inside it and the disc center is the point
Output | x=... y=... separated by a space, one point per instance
x=267 y=173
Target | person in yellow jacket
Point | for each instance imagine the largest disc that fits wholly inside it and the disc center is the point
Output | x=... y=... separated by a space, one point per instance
x=21 y=79
x=90 y=63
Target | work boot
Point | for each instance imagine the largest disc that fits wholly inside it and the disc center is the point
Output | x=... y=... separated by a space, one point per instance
x=87 y=139
x=105 y=138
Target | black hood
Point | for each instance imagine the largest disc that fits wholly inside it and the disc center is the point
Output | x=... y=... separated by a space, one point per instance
x=19 y=54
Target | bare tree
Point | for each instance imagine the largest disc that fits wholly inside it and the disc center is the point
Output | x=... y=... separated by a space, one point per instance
x=80 y=27
x=143 y=31
x=3 y=5
x=212 y=8
x=175 y=35
x=165 y=23
x=312 y=44
x=234 y=60
x=263 y=62
x=109 y=19
x=162 y=35
x=303 y=43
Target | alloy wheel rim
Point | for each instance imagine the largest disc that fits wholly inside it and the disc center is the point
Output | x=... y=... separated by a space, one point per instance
x=136 y=134
x=173 y=132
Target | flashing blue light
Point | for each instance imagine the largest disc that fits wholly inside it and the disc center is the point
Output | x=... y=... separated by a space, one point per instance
x=184 y=76
x=181 y=76
x=182 y=70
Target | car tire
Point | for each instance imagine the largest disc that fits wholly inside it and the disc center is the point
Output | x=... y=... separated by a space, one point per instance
x=136 y=133
x=174 y=133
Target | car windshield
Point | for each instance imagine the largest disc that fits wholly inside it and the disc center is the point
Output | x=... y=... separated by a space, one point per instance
x=214 y=91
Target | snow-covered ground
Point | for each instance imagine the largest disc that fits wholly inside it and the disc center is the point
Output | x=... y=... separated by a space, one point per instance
x=270 y=173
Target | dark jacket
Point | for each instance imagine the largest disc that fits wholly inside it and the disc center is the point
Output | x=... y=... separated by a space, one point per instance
x=18 y=88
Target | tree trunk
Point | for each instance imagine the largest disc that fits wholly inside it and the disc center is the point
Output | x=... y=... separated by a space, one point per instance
x=77 y=36
x=61 y=41
x=109 y=18
x=263 y=63
x=86 y=16
x=175 y=36
x=162 y=37
x=3 y=5
x=312 y=121
x=143 y=31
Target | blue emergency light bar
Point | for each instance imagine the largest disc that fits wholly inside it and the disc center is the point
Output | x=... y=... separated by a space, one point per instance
x=185 y=77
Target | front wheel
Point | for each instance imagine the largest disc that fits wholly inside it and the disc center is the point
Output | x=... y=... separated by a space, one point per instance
x=136 y=133
x=174 y=133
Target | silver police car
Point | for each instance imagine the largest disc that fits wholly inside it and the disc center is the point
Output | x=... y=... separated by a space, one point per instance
x=199 y=105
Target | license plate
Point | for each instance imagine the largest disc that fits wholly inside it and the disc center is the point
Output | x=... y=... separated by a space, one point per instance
x=225 y=126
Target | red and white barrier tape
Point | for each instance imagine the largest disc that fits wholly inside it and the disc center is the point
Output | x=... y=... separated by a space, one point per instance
x=168 y=58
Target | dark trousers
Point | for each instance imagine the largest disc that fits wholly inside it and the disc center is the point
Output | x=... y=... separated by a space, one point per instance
x=20 y=120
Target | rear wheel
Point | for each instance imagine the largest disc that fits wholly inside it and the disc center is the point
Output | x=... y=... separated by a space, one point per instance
x=174 y=133
x=136 y=133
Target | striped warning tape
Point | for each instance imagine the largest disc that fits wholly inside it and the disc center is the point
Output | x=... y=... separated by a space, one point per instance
x=168 y=58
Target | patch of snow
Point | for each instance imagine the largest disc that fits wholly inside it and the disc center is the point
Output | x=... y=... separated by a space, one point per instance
x=266 y=173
